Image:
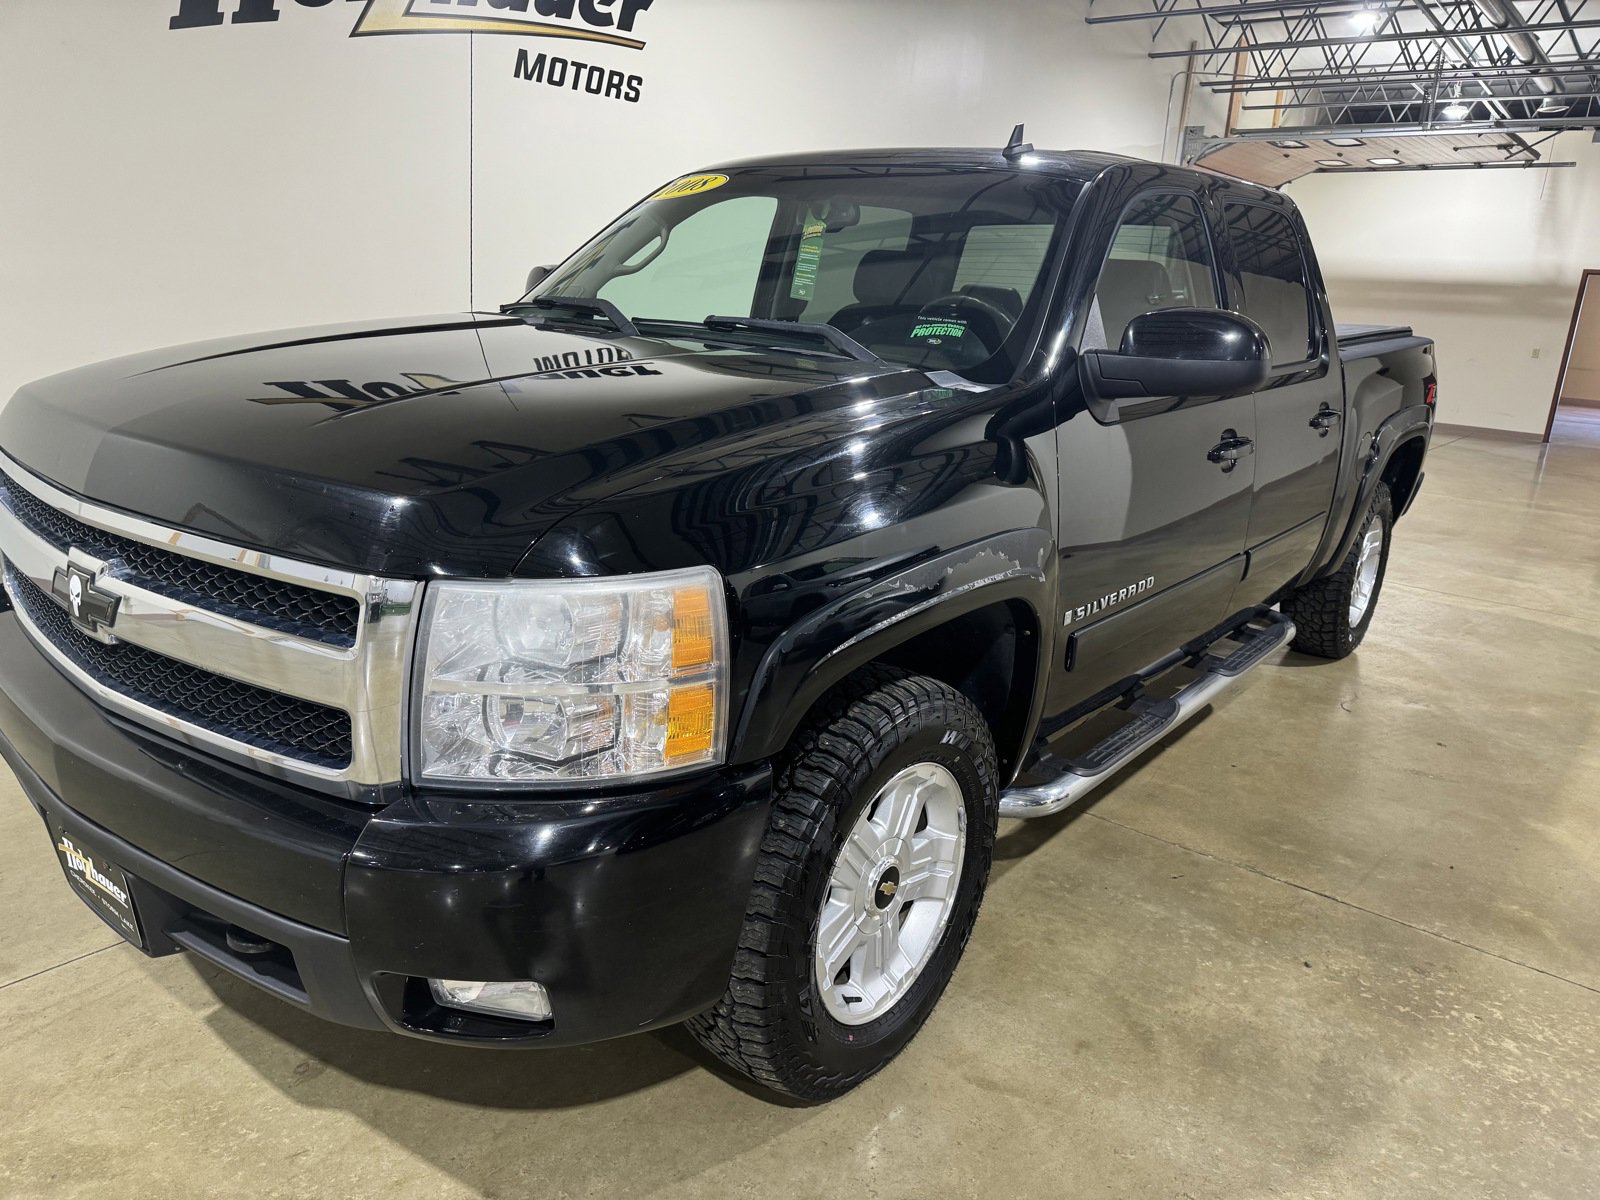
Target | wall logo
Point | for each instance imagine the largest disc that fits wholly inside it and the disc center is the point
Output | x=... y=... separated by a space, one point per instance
x=608 y=21
x=602 y=22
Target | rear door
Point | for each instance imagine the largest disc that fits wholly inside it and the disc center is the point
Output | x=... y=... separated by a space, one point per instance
x=1152 y=529
x=1299 y=412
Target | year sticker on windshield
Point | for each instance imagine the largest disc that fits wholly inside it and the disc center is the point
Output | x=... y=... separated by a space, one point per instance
x=690 y=185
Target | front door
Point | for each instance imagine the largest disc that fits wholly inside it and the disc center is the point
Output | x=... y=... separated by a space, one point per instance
x=1300 y=410
x=1155 y=502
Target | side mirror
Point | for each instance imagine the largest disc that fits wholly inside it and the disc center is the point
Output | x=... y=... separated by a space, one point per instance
x=1180 y=352
x=537 y=276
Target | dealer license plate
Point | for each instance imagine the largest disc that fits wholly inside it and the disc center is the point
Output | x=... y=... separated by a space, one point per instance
x=100 y=883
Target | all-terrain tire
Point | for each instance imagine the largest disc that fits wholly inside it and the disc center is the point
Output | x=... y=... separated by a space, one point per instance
x=772 y=1024
x=1321 y=609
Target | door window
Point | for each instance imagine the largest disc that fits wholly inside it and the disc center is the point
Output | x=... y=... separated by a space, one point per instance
x=1272 y=263
x=1160 y=258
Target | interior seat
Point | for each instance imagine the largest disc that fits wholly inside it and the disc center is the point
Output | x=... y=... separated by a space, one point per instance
x=887 y=283
x=1129 y=287
x=1007 y=300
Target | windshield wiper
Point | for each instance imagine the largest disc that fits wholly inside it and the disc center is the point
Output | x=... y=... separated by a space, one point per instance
x=837 y=338
x=596 y=307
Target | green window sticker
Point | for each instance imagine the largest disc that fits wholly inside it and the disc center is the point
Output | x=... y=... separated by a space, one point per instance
x=937 y=331
x=807 y=261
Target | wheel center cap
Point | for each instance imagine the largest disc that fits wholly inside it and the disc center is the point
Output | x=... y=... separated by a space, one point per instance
x=883 y=892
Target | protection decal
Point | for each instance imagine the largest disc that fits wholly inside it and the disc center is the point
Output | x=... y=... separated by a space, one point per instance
x=935 y=332
x=690 y=185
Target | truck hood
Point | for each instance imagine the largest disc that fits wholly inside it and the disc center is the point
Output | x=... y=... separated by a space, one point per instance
x=437 y=446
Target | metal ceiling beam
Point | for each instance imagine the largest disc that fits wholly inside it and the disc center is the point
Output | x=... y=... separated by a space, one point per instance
x=1304 y=133
x=1380 y=78
x=1395 y=77
x=1488 y=166
x=1375 y=102
x=1422 y=35
x=1229 y=12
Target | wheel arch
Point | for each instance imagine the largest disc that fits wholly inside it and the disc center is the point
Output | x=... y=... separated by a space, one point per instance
x=985 y=637
x=1403 y=472
x=1409 y=428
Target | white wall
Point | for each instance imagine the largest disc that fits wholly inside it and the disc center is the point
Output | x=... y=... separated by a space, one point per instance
x=1487 y=263
x=159 y=186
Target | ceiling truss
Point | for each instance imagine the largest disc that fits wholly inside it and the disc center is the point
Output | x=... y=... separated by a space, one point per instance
x=1304 y=70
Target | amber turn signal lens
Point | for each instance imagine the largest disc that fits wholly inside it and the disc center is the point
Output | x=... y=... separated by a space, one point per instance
x=692 y=630
x=691 y=721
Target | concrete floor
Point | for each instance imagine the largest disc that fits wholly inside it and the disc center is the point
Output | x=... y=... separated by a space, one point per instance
x=1339 y=938
x=1576 y=424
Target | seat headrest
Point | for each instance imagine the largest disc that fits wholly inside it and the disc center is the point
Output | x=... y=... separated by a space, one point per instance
x=1007 y=300
x=1137 y=277
x=888 y=277
x=1128 y=287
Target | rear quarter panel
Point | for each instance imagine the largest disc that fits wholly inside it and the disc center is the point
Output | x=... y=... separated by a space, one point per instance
x=1386 y=386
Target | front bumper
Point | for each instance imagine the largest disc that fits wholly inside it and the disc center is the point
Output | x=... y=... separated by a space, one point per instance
x=626 y=907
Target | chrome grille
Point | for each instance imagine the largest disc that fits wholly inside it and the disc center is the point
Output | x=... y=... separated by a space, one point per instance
x=295 y=669
x=302 y=611
x=298 y=729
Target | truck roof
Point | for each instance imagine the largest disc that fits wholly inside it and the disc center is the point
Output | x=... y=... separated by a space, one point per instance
x=1080 y=165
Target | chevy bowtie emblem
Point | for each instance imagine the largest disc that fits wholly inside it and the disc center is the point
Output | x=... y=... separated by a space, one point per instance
x=91 y=608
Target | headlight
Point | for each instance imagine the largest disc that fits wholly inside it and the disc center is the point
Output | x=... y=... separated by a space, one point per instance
x=573 y=679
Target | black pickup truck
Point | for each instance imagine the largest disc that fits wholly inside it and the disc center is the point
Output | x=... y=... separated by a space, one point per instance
x=667 y=645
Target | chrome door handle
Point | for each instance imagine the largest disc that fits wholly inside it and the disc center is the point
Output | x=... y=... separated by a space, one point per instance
x=1230 y=450
x=1325 y=420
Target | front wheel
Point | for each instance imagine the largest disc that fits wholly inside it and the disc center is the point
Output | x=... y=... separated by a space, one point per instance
x=870 y=877
x=1332 y=614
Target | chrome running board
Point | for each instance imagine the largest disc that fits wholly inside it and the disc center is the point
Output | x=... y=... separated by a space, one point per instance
x=1258 y=637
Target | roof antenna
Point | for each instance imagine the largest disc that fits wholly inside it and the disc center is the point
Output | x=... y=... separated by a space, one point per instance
x=1016 y=147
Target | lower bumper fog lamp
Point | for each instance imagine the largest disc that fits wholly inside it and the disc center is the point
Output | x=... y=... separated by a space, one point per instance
x=521 y=999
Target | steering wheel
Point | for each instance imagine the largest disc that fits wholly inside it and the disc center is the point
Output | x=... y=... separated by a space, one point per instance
x=990 y=327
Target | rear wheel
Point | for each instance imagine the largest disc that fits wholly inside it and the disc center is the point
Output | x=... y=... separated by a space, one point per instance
x=870 y=877
x=1332 y=614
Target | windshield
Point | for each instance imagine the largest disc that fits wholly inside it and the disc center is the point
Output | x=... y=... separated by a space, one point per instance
x=933 y=268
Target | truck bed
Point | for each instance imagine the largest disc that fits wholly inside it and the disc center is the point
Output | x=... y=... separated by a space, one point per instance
x=1369 y=341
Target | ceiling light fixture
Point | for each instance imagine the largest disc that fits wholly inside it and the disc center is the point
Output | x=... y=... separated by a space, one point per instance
x=1288 y=145
x=1364 y=21
x=1345 y=142
x=1552 y=105
x=1332 y=162
x=1458 y=109
x=1386 y=162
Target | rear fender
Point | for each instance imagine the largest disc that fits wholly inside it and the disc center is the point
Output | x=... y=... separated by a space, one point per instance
x=1415 y=421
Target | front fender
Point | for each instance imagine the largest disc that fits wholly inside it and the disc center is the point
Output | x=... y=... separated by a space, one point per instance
x=846 y=634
